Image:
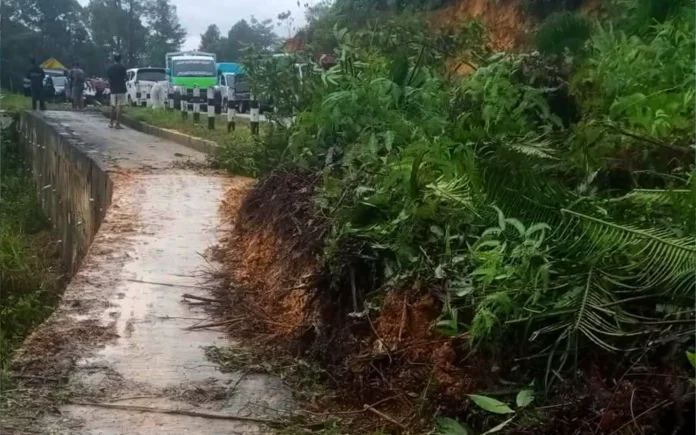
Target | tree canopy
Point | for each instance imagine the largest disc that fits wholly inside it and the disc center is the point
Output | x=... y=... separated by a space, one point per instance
x=141 y=30
x=242 y=35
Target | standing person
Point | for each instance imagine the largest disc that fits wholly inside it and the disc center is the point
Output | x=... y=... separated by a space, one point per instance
x=117 y=83
x=36 y=75
x=68 y=86
x=78 y=86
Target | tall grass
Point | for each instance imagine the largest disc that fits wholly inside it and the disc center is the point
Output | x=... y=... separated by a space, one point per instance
x=29 y=274
x=13 y=102
x=238 y=152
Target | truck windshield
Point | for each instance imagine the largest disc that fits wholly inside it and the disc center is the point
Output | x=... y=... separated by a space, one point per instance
x=151 y=75
x=193 y=68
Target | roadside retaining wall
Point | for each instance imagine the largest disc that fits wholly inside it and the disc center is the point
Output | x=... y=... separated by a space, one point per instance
x=74 y=190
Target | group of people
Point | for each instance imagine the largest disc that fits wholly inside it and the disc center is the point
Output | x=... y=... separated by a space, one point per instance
x=116 y=74
x=74 y=87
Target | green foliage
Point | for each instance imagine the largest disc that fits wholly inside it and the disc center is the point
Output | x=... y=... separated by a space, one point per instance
x=27 y=282
x=563 y=31
x=544 y=8
x=491 y=405
x=524 y=398
x=448 y=426
x=549 y=199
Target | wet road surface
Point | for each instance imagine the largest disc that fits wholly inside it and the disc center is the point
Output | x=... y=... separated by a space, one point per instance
x=152 y=247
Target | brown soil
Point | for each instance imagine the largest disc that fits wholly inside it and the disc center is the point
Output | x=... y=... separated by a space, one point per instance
x=393 y=357
x=507 y=26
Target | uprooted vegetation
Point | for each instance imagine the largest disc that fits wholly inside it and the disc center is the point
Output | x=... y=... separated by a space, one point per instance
x=520 y=235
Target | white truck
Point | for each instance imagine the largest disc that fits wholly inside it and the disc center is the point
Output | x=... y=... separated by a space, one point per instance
x=139 y=83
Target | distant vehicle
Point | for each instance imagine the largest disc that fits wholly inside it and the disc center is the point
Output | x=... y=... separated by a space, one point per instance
x=140 y=81
x=50 y=72
x=232 y=80
x=58 y=89
x=187 y=70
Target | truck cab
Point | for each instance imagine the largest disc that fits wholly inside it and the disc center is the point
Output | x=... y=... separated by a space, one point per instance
x=139 y=82
x=187 y=70
x=233 y=87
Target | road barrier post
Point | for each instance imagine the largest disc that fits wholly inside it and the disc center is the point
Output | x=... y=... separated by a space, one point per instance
x=231 y=109
x=196 y=104
x=184 y=108
x=254 y=114
x=170 y=100
x=211 y=108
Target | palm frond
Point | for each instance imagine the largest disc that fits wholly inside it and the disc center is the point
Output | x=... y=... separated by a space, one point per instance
x=656 y=257
x=681 y=198
x=456 y=191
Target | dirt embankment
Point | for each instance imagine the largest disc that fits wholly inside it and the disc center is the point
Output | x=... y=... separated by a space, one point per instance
x=387 y=351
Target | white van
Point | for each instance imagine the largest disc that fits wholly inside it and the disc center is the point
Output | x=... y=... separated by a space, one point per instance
x=140 y=81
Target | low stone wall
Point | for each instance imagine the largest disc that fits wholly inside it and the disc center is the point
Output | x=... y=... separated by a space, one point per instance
x=74 y=190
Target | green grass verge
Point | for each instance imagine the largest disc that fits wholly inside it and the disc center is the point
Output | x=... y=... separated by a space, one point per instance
x=239 y=149
x=14 y=102
x=30 y=274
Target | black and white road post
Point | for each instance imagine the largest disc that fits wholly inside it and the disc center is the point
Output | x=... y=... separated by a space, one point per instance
x=254 y=115
x=211 y=108
x=170 y=98
x=231 y=109
x=196 y=104
x=184 y=107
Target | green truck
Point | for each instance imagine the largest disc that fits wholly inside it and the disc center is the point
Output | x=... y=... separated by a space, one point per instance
x=187 y=70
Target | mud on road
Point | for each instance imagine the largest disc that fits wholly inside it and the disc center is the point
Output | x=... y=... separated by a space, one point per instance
x=119 y=336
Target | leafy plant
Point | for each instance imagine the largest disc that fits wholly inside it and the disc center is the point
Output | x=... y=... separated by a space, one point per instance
x=563 y=31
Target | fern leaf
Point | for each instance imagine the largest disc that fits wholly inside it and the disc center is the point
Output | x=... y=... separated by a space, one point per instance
x=455 y=191
x=658 y=258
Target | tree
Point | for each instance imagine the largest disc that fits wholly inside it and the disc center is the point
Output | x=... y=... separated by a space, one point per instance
x=115 y=26
x=243 y=35
x=43 y=29
x=166 y=34
x=211 y=40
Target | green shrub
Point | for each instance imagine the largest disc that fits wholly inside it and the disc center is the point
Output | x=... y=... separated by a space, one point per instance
x=543 y=8
x=558 y=233
x=562 y=31
x=28 y=276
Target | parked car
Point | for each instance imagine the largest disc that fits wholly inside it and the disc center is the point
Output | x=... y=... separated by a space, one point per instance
x=54 y=88
x=140 y=81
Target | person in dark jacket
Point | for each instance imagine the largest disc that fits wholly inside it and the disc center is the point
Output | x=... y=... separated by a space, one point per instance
x=36 y=76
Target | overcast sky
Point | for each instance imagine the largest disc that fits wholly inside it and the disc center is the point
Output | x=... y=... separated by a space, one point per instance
x=196 y=15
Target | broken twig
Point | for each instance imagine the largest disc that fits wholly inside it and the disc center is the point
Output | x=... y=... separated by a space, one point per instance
x=178 y=412
x=200 y=298
x=211 y=325
x=384 y=416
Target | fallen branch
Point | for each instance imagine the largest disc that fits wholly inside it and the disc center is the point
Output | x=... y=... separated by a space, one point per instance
x=403 y=320
x=200 y=298
x=178 y=412
x=367 y=407
x=167 y=284
x=214 y=324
